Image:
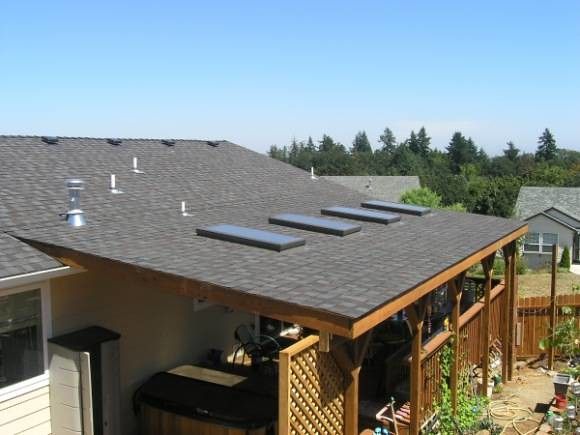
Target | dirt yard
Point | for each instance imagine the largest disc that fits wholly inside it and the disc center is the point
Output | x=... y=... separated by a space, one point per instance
x=529 y=396
x=538 y=283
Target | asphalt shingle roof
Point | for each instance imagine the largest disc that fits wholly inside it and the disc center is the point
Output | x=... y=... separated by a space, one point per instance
x=347 y=276
x=387 y=188
x=18 y=258
x=533 y=200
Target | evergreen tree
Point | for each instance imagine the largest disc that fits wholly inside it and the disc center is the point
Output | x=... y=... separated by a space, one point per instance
x=423 y=142
x=327 y=144
x=388 y=140
x=511 y=152
x=310 y=144
x=413 y=143
x=461 y=151
x=546 y=146
x=361 y=143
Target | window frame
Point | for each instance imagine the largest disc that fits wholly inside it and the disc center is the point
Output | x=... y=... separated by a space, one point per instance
x=36 y=382
x=540 y=244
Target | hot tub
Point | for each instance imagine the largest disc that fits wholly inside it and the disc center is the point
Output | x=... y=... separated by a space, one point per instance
x=178 y=403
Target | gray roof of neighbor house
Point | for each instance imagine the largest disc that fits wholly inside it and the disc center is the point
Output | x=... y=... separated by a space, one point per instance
x=345 y=276
x=534 y=200
x=18 y=258
x=387 y=188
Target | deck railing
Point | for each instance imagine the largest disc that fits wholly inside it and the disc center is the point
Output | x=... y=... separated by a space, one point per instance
x=470 y=347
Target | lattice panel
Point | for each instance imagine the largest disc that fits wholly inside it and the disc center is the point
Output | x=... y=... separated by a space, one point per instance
x=316 y=402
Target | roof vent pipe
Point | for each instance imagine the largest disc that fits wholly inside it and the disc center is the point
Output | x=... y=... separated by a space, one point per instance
x=135 y=168
x=183 y=212
x=75 y=217
x=113 y=185
x=312 y=176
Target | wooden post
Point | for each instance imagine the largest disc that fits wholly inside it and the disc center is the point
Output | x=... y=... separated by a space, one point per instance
x=416 y=313
x=553 y=304
x=324 y=343
x=509 y=258
x=512 y=312
x=454 y=292
x=487 y=264
x=350 y=360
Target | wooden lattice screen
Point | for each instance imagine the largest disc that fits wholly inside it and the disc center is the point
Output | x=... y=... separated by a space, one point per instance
x=311 y=394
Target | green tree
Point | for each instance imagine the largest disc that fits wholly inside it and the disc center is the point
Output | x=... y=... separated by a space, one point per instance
x=423 y=143
x=565 y=262
x=388 y=140
x=547 y=148
x=511 y=152
x=421 y=196
x=278 y=153
x=361 y=143
x=461 y=151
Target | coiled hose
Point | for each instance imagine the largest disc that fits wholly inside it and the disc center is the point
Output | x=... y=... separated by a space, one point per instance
x=511 y=413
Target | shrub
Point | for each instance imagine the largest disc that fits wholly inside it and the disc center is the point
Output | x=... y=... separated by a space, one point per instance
x=565 y=262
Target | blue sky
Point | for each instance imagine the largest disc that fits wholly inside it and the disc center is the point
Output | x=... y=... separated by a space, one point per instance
x=259 y=73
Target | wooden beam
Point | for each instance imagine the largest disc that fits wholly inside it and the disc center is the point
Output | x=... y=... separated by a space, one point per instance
x=324 y=342
x=513 y=315
x=244 y=301
x=455 y=290
x=553 y=304
x=379 y=315
x=416 y=314
x=487 y=264
x=284 y=383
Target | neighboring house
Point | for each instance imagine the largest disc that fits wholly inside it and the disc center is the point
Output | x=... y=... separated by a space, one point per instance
x=138 y=268
x=553 y=214
x=387 y=188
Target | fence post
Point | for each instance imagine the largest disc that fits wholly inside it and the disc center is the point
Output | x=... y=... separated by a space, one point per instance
x=553 y=307
x=487 y=264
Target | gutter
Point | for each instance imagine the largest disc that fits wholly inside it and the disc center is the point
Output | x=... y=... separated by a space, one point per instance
x=41 y=275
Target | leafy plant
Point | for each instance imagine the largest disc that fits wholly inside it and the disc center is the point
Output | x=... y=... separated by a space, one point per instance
x=565 y=338
x=565 y=261
x=469 y=406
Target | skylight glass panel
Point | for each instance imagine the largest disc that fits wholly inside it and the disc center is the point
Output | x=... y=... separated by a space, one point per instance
x=251 y=237
x=415 y=210
x=310 y=223
x=361 y=214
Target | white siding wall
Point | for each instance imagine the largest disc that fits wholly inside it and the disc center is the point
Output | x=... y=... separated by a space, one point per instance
x=541 y=224
x=27 y=414
x=159 y=330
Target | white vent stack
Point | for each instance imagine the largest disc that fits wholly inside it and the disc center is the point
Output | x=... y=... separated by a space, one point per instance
x=312 y=176
x=183 y=209
x=75 y=217
x=113 y=185
x=135 y=168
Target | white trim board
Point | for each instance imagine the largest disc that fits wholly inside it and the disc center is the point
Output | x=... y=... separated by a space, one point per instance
x=33 y=277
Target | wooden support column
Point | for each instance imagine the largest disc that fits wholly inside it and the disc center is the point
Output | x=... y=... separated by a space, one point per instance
x=553 y=304
x=487 y=264
x=416 y=313
x=510 y=313
x=350 y=357
x=454 y=292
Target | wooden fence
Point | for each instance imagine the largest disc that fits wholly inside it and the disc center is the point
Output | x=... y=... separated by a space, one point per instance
x=312 y=386
x=534 y=321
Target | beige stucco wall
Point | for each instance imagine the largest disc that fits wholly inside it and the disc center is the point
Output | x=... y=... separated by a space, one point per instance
x=541 y=224
x=159 y=330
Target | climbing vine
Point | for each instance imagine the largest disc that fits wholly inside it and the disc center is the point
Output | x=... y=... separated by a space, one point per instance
x=469 y=406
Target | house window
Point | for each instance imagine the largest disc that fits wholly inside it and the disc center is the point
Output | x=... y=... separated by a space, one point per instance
x=532 y=242
x=540 y=242
x=549 y=239
x=24 y=327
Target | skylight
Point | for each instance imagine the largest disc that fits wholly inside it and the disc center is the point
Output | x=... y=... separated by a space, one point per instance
x=415 y=210
x=319 y=225
x=251 y=237
x=361 y=214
